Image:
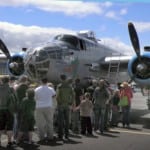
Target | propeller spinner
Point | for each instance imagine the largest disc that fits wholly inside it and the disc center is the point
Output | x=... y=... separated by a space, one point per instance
x=15 y=63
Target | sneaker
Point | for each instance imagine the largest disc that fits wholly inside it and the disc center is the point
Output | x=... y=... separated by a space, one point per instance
x=59 y=138
x=90 y=134
x=76 y=131
x=101 y=131
x=14 y=142
x=50 y=139
x=66 y=137
x=9 y=144
x=42 y=141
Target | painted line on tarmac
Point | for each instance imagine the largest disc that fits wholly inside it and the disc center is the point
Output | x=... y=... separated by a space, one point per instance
x=131 y=131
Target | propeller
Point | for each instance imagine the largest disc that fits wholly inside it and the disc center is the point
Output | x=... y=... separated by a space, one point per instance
x=140 y=66
x=134 y=39
x=15 y=63
x=4 y=49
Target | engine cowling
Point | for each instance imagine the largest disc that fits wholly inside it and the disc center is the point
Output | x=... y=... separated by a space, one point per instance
x=139 y=70
x=16 y=64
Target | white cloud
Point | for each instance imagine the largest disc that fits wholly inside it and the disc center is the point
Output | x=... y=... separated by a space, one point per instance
x=72 y=8
x=142 y=26
x=116 y=15
x=118 y=45
x=107 y=4
x=79 y=8
x=123 y=11
x=112 y=15
x=29 y=10
x=17 y=36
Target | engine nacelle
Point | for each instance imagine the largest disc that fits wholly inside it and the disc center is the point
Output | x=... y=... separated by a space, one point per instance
x=16 y=64
x=139 y=69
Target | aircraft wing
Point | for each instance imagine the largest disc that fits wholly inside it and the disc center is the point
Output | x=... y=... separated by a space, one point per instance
x=114 y=61
x=3 y=58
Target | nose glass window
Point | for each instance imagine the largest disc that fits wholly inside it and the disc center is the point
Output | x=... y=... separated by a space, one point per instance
x=41 y=55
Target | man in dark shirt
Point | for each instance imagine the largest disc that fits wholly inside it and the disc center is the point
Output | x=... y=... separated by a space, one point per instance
x=76 y=114
x=101 y=97
x=20 y=93
x=65 y=98
x=6 y=116
x=27 y=115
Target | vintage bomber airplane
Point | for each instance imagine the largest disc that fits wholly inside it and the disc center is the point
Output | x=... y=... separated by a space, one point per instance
x=80 y=55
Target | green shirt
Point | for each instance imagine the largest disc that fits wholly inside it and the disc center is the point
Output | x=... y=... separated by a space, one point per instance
x=5 y=92
x=21 y=91
x=64 y=94
x=27 y=108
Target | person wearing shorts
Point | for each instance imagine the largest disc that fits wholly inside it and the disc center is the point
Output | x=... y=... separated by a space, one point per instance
x=27 y=121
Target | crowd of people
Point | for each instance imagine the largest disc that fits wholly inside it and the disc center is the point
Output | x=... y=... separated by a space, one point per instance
x=57 y=109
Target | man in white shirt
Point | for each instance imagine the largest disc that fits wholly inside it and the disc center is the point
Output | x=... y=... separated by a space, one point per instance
x=44 y=110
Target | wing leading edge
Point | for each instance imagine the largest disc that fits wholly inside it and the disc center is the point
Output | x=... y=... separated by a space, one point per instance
x=115 y=60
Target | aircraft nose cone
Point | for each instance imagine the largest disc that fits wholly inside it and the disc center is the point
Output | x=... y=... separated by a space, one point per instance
x=141 y=68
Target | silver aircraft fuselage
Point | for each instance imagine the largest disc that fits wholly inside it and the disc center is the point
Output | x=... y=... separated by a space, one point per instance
x=73 y=55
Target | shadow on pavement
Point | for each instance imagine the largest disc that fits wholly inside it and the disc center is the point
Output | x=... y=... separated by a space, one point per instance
x=50 y=143
x=59 y=142
x=110 y=131
x=109 y=135
x=23 y=146
x=5 y=148
x=71 y=141
x=137 y=115
x=75 y=136
x=91 y=136
x=147 y=125
x=130 y=128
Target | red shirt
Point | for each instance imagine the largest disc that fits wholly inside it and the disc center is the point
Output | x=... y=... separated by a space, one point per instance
x=126 y=91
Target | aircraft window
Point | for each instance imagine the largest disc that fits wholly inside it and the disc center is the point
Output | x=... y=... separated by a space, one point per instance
x=68 y=38
x=52 y=54
x=58 y=37
x=82 y=45
x=41 y=55
x=55 y=54
x=89 y=46
x=51 y=48
x=59 y=54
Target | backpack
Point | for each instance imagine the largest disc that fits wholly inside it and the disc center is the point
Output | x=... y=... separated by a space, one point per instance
x=65 y=94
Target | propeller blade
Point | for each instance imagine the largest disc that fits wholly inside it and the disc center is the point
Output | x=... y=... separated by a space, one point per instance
x=134 y=39
x=4 y=49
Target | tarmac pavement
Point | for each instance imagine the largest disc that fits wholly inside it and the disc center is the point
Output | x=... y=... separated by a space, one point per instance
x=134 y=138
x=139 y=109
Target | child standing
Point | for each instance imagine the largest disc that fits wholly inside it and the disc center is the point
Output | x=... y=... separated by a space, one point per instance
x=115 y=108
x=86 y=107
x=27 y=115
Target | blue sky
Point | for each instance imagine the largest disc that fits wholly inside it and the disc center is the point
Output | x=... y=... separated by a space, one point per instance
x=27 y=23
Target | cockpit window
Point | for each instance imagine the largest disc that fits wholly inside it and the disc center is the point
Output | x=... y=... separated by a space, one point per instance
x=41 y=55
x=54 y=52
x=69 y=39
